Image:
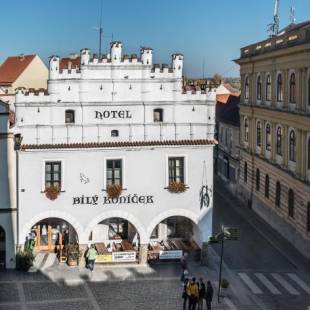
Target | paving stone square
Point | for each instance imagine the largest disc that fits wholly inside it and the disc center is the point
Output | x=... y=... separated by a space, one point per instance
x=63 y=305
x=36 y=291
x=8 y=292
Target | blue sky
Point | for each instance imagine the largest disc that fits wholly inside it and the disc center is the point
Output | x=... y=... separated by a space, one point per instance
x=209 y=31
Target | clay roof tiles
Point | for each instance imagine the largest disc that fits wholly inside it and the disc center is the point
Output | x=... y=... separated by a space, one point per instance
x=13 y=67
x=116 y=144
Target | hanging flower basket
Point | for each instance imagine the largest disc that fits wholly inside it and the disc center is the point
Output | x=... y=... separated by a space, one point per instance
x=114 y=190
x=52 y=192
x=176 y=187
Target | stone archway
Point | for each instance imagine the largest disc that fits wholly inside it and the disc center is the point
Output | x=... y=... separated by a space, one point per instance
x=117 y=214
x=170 y=213
x=51 y=214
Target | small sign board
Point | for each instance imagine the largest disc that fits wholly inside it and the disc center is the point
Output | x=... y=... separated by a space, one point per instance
x=232 y=233
x=175 y=254
x=104 y=258
x=123 y=257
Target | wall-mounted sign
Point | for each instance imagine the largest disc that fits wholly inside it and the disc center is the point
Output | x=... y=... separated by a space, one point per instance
x=122 y=257
x=104 y=258
x=205 y=191
x=129 y=199
x=113 y=114
x=176 y=254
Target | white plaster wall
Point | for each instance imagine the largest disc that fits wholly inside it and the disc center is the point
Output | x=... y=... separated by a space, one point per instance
x=145 y=172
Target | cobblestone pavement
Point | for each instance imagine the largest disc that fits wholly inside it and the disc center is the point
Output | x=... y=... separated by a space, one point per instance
x=107 y=288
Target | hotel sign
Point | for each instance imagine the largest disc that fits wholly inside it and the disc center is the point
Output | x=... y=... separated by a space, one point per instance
x=128 y=199
x=110 y=114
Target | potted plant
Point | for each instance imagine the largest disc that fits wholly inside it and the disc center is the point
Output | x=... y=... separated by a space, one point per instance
x=224 y=286
x=114 y=190
x=176 y=187
x=24 y=260
x=52 y=192
x=73 y=254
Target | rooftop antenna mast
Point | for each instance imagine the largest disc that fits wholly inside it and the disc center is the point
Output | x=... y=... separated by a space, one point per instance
x=292 y=15
x=100 y=30
x=273 y=28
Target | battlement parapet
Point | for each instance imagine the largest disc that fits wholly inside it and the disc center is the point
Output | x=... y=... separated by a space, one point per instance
x=31 y=95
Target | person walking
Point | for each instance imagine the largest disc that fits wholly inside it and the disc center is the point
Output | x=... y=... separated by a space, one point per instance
x=91 y=256
x=209 y=295
x=202 y=293
x=184 y=294
x=193 y=294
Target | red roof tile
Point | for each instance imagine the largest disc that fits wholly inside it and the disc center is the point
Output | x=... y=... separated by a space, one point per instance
x=13 y=67
x=65 y=63
x=116 y=144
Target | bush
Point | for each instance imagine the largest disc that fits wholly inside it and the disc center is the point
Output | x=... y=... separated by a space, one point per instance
x=73 y=252
x=24 y=260
x=224 y=283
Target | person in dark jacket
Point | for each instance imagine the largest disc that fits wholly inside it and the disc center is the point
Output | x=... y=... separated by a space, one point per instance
x=209 y=295
x=202 y=293
x=184 y=294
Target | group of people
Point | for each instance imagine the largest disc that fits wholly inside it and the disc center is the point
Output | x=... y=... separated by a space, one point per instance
x=195 y=292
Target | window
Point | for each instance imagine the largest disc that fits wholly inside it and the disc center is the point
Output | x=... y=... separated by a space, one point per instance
x=53 y=174
x=245 y=172
x=279 y=88
x=246 y=130
x=268 y=137
x=268 y=88
x=246 y=88
x=279 y=141
x=118 y=228
x=257 y=179
x=114 y=133
x=70 y=119
x=158 y=115
x=308 y=153
x=308 y=217
x=259 y=88
x=176 y=169
x=292 y=88
x=291 y=203
x=267 y=186
x=278 y=194
x=292 y=150
x=259 y=133
x=114 y=171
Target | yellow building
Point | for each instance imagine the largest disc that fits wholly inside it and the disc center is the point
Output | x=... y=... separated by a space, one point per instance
x=275 y=132
x=27 y=71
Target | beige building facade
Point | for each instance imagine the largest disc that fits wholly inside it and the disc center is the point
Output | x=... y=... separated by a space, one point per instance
x=275 y=132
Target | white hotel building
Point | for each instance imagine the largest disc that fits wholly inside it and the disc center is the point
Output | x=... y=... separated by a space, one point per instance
x=114 y=120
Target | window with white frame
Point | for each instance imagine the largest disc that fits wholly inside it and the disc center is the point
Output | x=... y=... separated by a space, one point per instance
x=114 y=172
x=268 y=88
x=259 y=88
x=268 y=137
x=158 y=115
x=246 y=130
x=292 y=89
x=246 y=88
x=292 y=146
x=259 y=133
x=176 y=169
x=279 y=88
x=69 y=116
x=53 y=174
x=279 y=141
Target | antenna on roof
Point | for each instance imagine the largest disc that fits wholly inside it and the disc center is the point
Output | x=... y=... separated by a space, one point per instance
x=273 y=28
x=100 y=30
x=292 y=15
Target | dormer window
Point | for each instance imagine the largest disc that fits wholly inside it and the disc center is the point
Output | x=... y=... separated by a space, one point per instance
x=114 y=133
x=70 y=117
x=158 y=115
